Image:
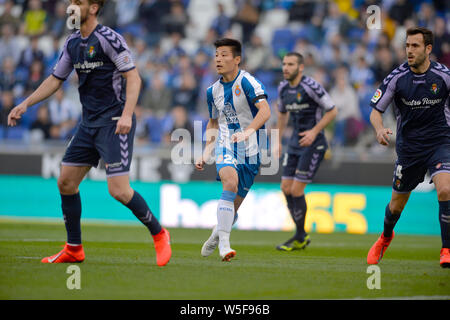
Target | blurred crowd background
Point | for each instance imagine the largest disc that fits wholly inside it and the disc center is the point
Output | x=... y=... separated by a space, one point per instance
x=172 y=45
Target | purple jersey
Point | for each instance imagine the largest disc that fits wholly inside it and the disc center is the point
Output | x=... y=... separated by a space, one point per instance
x=421 y=105
x=99 y=61
x=306 y=103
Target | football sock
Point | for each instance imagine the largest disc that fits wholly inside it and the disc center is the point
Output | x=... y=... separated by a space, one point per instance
x=141 y=210
x=389 y=222
x=299 y=214
x=290 y=203
x=444 y=220
x=71 y=208
x=225 y=214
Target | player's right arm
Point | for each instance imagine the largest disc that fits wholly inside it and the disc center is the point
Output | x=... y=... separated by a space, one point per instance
x=211 y=130
x=380 y=101
x=382 y=133
x=211 y=136
x=47 y=88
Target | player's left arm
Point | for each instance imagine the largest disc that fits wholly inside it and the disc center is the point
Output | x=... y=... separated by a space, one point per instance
x=260 y=118
x=133 y=89
x=308 y=136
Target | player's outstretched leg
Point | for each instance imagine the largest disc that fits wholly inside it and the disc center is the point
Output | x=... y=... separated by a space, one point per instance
x=225 y=218
x=211 y=244
x=378 y=249
x=161 y=237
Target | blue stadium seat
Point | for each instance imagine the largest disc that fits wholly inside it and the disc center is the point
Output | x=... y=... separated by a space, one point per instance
x=155 y=129
x=16 y=133
x=283 y=41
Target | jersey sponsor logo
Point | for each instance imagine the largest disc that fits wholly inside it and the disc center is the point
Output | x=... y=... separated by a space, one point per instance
x=377 y=95
x=87 y=67
x=230 y=114
x=424 y=103
x=295 y=107
x=434 y=88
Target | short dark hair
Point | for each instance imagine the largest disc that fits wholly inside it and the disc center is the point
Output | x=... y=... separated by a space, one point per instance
x=300 y=58
x=236 y=47
x=100 y=4
x=427 y=34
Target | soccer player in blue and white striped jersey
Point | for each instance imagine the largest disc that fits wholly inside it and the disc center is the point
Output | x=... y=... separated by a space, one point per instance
x=238 y=108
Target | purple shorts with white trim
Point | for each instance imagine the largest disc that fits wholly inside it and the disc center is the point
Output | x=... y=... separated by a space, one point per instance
x=88 y=145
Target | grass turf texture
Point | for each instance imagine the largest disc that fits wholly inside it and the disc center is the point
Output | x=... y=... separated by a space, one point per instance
x=120 y=264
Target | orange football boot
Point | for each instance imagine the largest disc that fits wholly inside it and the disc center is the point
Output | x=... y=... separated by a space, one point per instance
x=445 y=258
x=162 y=247
x=378 y=249
x=70 y=254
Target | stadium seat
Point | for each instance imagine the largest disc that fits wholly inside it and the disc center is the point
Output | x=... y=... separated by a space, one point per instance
x=16 y=133
x=283 y=41
x=155 y=129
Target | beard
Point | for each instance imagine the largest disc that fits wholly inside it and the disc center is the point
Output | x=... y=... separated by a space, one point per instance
x=292 y=76
x=420 y=59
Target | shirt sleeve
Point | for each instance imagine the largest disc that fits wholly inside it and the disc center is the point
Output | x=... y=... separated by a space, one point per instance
x=116 y=49
x=383 y=96
x=213 y=112
x=64 y=66
x=253 y=89
x=318 y=93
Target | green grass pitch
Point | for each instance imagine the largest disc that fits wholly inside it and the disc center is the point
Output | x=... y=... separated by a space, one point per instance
x=120 y=264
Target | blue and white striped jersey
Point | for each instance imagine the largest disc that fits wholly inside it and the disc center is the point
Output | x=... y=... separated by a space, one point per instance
x=233 y=104
x=98 y=60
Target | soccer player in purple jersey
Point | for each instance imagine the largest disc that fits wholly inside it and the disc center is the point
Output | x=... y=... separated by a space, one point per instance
x=311 y=110
x=419 y=91
x=109 y=86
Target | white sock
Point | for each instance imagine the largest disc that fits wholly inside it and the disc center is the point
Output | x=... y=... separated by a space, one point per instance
x=225 y=216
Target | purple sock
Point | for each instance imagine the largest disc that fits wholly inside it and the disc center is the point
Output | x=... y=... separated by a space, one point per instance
x=141 y=210
x=71 y=208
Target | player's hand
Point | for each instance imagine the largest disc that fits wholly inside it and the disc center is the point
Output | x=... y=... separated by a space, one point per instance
x=383 y=136
x=124 y=125
x=308 y=138
x=15 y=114
x=199 y=164
x=241 y=136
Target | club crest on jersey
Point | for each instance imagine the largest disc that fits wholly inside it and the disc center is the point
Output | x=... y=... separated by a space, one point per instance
x=377 y=95
x=237 y=91
x=434 y=88
x=91 y=52
x=299 y=96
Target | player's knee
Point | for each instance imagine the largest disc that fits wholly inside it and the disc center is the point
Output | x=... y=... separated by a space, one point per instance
x=230 y=185
x=286 y=188
x=396 y=207
x=443 y=193
x=120 y=194
x=66 y=186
